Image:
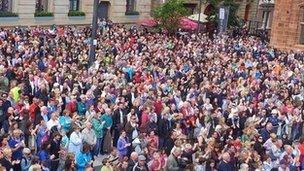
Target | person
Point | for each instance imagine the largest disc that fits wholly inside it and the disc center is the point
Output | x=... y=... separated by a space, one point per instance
x=84 y=158
x=76 y=141
x=106 y=165
x=7 y=160
x=141 y=165
x=225 y=93
x=17 y=144
x=132 y=161
x=108 y=122
x=122 y=145
x=172 y=163
x=26 y=159
x=98 y=127
x=89 y=136
x=66 y=121
x=225 y=163
x=55 y=151
x=70 y=163
x=113 y=157
x=35 y=164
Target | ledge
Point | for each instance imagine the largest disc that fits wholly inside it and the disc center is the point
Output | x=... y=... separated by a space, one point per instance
x=76 y=17
x=41 y=18
x=131 y=13
x=9 y=18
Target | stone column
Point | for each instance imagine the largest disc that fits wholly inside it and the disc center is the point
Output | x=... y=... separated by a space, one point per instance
x=15 y=6
x=26 y=8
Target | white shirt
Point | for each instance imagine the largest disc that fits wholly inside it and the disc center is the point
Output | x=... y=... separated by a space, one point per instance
x=52 y=123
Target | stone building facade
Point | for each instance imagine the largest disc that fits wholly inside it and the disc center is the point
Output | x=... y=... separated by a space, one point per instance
x=288 y=25
x=122 y=11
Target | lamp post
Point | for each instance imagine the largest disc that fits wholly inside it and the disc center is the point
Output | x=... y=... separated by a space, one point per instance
x=94 y=33
x=199 y=16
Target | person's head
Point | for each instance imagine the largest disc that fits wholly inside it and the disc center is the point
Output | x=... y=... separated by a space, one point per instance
x=123 y=134
x=226 y=157
x=86 y=148
x=269 y=126
x=134 y=156
x=26 y=152
x=177 y=152
x=7 y=152
x=54 y=116
x=57 y=136
x=88 y=125
x=105 y=162
x=16 y=133
x=114 y=151
x=141 y=160
x=4 y=140
x=76 y=129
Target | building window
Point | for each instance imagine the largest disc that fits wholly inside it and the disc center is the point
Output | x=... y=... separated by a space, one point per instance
x=131 y=6
x=266 y=19
x=74 y=5
x=5 y=5
x=41 y=5
x=302 y=26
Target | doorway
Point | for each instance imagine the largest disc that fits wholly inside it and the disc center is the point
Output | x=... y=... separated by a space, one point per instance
x=103 y=10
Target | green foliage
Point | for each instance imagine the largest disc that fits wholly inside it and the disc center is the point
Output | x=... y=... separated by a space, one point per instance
x=8 y=14
x=43 y=14
x=169 y=14
x=233 y=18
x=131 y=13
x=76 y=13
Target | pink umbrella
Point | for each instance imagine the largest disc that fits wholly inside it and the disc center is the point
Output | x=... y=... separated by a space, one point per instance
x=148 y=23
x=188 y=24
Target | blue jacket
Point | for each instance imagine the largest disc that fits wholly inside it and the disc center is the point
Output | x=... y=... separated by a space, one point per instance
x=122 y=150
x=65 y=122
x=17 y=155
x=83 y=160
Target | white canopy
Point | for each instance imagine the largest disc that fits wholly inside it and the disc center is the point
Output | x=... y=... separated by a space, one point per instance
x=203 y=17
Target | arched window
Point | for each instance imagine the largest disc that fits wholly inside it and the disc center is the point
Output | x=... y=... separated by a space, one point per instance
x=74 y=5
x=5 y=5
x=41 y=5
x=302 y=25
x=131 y=6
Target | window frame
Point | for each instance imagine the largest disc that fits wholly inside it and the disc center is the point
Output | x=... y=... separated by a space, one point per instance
x=43 y=6
x=301 y=22
x=8 y=7
x=72 y=5
x=130 y=6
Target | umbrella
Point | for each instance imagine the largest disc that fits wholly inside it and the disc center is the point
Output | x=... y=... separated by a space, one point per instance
x=188 y=24
x=148 y=23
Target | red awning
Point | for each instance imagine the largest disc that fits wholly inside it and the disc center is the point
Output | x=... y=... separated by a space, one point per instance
x=188 y=24
x=148 y=23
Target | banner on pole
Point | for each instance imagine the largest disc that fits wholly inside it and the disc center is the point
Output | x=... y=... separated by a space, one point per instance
x=223 y=19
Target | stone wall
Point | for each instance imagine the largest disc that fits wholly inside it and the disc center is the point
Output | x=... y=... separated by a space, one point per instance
x=60 y=8
x=286 y=25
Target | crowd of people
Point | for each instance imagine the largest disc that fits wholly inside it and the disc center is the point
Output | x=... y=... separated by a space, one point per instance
x=149 y=101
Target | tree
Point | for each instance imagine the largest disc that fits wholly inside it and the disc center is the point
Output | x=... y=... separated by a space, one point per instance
x=169 y=14
x=233 y=19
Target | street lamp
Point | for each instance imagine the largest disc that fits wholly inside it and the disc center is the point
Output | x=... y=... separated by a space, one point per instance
x=199 y=16
x=94 y=33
